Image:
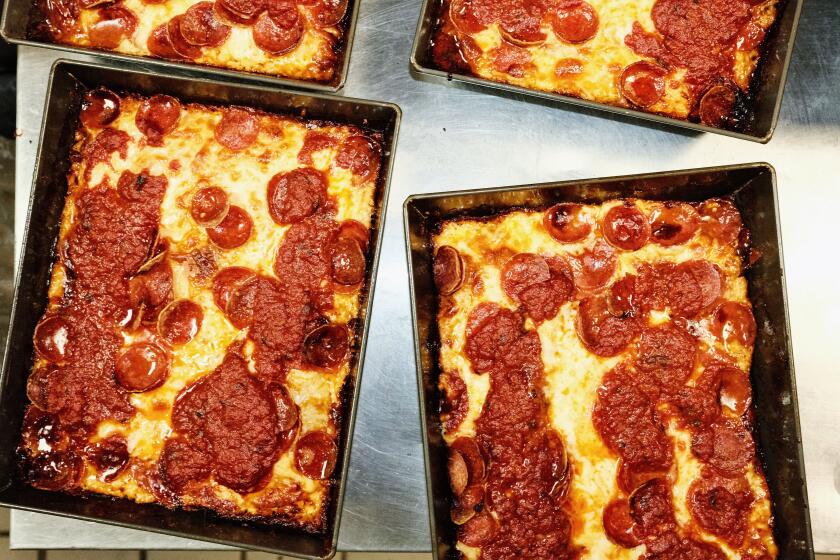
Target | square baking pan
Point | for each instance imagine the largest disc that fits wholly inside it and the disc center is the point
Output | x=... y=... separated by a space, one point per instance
x=768 y=83
x=15 y=22
x=774 y=387
x=67 y=82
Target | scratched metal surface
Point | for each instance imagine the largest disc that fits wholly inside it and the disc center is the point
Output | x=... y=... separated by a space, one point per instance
x=454 y=137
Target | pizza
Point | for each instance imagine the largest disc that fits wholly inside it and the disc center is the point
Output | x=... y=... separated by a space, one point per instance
x=204 y=307
x=299 y=39
x=595 y=390
x=686 y=59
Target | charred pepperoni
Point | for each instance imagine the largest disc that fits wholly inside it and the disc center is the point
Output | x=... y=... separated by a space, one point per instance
x=233 y=231
x=279 y=32
x=209 y=206
x=51 y=337
x=674 y=223
x=594 y=268
x=201 y=27
x=180 y=321
x=53 y=470
x=448 y=270
x=603 y=332
x=643 y=83
x=360 y=155
x=158 y=115
x=717 y=105
x=296 y=194
x=109 y=456
x=326 y=347
x=734 y=321
x=721 y=220
x=454 y=401
x=575 y=21
x=567 y=222
x=315 y=455
x=100 y=107
x=238 y=129
x=115 y=24
x=473 y=459
x=626 y=227
x=38 y=386
x=141 y=367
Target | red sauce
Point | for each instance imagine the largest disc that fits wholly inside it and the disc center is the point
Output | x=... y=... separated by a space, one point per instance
x=721 y=505
x=540 y=284
x=99 y=150
x=314 y=141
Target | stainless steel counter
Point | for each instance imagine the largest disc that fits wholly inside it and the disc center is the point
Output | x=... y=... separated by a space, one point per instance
x=454 y=137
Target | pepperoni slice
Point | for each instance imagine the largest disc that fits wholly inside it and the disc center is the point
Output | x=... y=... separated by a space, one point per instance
x=51 y=337
x=201 y=27
x=674 y=223
x=353 y=229
x=245 y=11
x=241 y=299
x=158 y=115
x=226 y=282
x=523 y=271
x=459 y=476
x=238 y=129
x=643 y=83
x=626 y=227
x=467 y=504
x=623 y=299
x=159 y=43
x=180 y=321
x=478 y=530
x=109 y=456
x=542 y=285
x=668 y=353
x=594 y=268
x=602 y=332
x=651 y=507
x=313 y=142
x=100 y=107
x=474 y=462
x=280 y=32
x=521 y=23
x=181 y=464
x=689 y=288
x=38 y=386
x=725 y=445
x=360 y=155
x=454 y=401
x=141 y=367
x=115 y=24
x=62 y=15
x=468 y=16
x=53 y=470
x=315 y=455
x=734 y=321
x=567 y=223
x=575 y=21
x=233 y=231
x=328 y=13
x=619 y=526
x=721 y=220
x=287 y=410
x=296 y=194
x=348 y=261
x=717 y=105
x=179 y=44
x=209 y=206
x=734 y=389
x=448 y=270
x=326 y=347
x=721 y=506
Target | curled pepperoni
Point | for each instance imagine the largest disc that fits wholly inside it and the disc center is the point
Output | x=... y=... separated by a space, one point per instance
x=674 y=223
x=209 y=206
x=226 y=281
x=567 y=223
x=315 y=455
x=158 y=115
x=594 y=267
x=180 y=321
x=326 y=347
x=141 y=367
x=575 y=21
x=643 y=83
x=360 y=155
x=521 y=22
x=348 y=261
x=725 y=445
x=619 y=526
x=721 y=220
x=51 y=337
x=353 y=229
x=734 y=389
x=115 y=24
x=448 y=270
x=279 y=32
x=296 y=194
x=623 y=299
x=734 y=321
x=109 y=456
x=100 y=107
x=179 y=44
x=53 y=470
x=542 y=285
x=602 y=332
x=328 y=13
x=459 y=475
x=241 y=11
x=241 y=299
x=668 y=353
x=721 y=506
x=626 y=227
x=454 y=401
x=237 y=129
x=159 y=43
x=651 y=507
x=717 y=105
x=287 y=410
x=478 y=530
x=473 y=459
x=201 y=27
x=467 y=504
x=38 y=386
x=233 y=231
x=469 y=16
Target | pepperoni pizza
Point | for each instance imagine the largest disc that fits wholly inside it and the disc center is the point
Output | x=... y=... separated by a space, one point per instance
x=595 y=388
x=687 y=59
x=203 y=309
x=298 y=39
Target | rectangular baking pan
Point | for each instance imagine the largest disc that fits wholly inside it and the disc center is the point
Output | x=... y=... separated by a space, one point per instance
x=15 y=22
x=771 y=74
x=774 y=387
x=67 y=81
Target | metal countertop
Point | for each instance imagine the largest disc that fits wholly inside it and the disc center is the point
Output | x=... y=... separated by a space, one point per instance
x=454 y=137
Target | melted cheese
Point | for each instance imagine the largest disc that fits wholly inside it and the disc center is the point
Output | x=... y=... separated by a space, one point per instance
x=244 y=176
x=604 y=57
x=573 y=374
